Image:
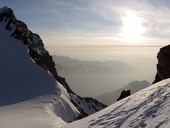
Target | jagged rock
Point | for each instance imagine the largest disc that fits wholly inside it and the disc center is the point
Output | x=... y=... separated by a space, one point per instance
x=124 y=94
x=163 y=66
x=42 y=57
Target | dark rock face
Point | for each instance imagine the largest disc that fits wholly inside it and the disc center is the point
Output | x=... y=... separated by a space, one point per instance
x=163 y=66
x=124 y=94
x=41 y=56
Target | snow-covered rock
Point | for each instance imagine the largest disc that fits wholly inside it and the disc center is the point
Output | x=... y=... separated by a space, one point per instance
x=149 y=108
x=31 y=92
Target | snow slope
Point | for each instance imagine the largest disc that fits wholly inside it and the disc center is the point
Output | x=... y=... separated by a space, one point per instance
x=31 y=92
x=23 y=80
x=29 y=114
x=134 y=86
x=149 y=108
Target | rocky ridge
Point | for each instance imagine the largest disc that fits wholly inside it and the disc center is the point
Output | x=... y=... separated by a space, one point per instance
x=42 y=57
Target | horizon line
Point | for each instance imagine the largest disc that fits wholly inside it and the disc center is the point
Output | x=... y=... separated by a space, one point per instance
x=104 y=46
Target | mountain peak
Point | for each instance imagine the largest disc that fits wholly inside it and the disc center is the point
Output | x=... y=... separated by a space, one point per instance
x=25 y=50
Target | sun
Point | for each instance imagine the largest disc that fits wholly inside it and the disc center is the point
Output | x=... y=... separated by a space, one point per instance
x=132 y=29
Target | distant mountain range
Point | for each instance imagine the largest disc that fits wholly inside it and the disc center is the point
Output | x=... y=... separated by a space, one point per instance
x=84 y=66
x=99 y=76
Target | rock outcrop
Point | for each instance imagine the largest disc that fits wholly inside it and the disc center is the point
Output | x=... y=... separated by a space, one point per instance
x=42 y=57
x=163 y=66
x=124 y=94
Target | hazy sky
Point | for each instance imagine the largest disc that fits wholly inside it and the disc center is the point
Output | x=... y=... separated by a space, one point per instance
x=96 y=22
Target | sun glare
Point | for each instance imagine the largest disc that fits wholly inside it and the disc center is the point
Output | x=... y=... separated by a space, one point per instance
x=132 y=29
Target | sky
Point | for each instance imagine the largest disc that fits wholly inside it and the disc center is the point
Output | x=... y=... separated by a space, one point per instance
x=96 y=22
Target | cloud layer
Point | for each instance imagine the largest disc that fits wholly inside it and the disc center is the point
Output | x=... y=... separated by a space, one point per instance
x=92 y=22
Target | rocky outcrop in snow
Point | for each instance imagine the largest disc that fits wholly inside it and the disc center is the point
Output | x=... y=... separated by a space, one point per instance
x=148 y=108
x=124 y=94
x=41 y=56
x=134 y=86
x=163 y=66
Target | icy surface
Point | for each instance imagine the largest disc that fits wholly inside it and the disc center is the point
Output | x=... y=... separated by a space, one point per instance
x=27 y=73
x=20 y=77
x=30 y=114
x=148 y=108
x=29 y=96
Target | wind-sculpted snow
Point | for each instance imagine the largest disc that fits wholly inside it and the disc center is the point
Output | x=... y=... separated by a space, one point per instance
x=148 y=108
x=28 y=73
x=20 y=78
x=23 y=80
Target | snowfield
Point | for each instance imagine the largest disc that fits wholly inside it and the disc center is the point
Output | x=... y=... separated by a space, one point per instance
x=148 y=108
x=29 y=96
x=30 y=114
